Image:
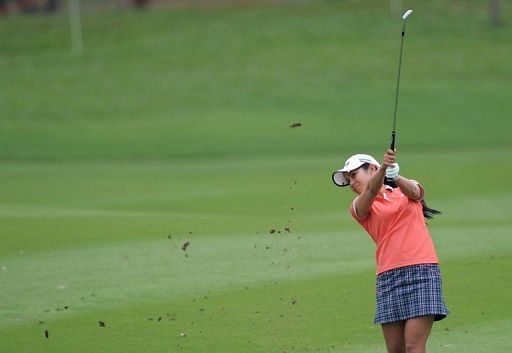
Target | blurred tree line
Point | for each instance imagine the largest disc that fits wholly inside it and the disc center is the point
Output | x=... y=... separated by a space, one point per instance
x=28 y=6
x=34 y=6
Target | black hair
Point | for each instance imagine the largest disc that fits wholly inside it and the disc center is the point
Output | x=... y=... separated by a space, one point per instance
x=428 y=212
x=365 y=166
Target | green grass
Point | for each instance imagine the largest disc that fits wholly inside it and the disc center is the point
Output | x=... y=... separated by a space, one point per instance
x=173 y=126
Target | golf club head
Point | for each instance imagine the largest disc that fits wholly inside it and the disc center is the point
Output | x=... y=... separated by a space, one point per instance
x=406 y=14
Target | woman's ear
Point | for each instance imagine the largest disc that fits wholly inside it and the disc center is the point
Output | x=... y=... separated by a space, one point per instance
x=373 y=169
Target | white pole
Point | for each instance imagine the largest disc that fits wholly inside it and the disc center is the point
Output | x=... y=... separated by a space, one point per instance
x=494 y=11
x=395 y=7
x=76 y=27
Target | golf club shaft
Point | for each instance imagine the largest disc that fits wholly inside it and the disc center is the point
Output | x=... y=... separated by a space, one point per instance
x=393 y=133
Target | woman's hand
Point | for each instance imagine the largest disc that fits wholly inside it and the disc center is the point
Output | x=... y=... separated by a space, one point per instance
x=389 y=159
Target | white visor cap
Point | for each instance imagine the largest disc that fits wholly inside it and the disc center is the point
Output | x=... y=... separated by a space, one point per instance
x=351 y=164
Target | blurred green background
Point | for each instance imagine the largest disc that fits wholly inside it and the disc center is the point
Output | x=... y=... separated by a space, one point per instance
x=173 y=125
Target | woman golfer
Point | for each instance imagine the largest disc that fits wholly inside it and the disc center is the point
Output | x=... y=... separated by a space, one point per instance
x=409 y=289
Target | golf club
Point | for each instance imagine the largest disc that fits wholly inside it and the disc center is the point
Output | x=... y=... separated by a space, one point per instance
x=393 y=133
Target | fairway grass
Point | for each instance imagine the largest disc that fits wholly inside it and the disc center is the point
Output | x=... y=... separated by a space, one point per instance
x=110 y=249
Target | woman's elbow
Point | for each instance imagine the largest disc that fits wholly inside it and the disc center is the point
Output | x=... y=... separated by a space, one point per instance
x=416 y=194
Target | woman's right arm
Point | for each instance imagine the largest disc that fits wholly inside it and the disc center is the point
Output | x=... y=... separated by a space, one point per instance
x=363 y=202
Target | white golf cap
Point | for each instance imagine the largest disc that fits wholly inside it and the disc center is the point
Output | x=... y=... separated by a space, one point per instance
x=351 y=164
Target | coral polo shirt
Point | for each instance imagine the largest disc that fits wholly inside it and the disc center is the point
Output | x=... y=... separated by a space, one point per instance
x=397 y=226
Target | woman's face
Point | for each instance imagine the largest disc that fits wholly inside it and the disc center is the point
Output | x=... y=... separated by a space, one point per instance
x=359 y=177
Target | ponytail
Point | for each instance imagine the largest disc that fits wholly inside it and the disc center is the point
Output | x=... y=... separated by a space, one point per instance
x=428 y=212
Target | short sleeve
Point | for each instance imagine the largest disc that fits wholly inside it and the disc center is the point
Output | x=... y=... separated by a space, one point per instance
x=354 y=213
x=422 y=191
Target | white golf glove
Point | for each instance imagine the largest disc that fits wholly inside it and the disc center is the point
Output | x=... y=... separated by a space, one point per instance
x=393 y=172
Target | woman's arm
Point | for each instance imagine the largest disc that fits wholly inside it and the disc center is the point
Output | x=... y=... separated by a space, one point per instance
x=410 y=189
x=363 y=202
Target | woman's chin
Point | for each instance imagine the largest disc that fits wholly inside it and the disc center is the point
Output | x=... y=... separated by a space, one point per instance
x=356 y=190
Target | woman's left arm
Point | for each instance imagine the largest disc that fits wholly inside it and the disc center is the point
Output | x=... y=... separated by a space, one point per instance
x=410 y=189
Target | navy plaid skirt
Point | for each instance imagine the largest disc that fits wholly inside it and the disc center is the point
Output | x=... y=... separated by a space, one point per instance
x=411 y=291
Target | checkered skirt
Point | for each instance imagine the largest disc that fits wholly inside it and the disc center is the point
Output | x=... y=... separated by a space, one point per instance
x=408 y=292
